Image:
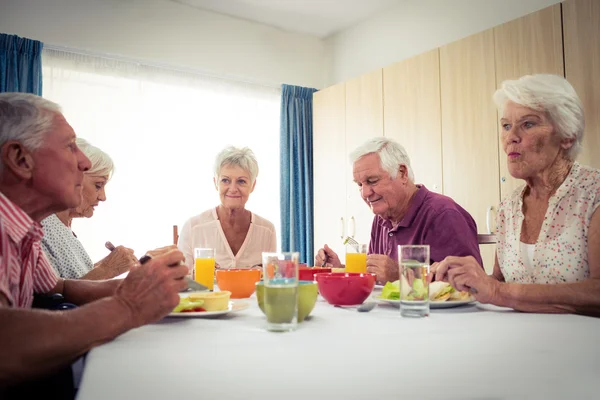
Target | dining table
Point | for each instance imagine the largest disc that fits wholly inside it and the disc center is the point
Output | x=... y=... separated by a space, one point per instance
x=474 y=351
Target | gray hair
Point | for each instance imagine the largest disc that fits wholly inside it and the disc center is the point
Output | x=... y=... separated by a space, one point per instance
x=391 y=155
x=102 y=164
x=240 y=157
x=25 y=118
x=552 y=94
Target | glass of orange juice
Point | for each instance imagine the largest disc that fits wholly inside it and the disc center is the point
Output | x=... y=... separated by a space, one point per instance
x=204 y=269
x=356 y=258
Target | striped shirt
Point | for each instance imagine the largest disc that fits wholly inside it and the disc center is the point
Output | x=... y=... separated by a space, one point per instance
x=24 y=269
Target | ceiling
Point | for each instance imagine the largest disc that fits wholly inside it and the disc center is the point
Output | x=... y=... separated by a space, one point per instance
x=319 y=18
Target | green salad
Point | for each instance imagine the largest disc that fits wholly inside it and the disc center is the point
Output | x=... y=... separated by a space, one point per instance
x=391 y=290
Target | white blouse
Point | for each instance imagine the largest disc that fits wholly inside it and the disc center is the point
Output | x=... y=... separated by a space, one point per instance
x=64 y=250
x=205 y=230
x=560 y=254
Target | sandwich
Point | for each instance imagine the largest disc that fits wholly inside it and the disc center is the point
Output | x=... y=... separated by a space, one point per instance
x=440 y=291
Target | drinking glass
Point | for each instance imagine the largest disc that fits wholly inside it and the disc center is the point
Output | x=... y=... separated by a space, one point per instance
x=356 y=258
x=204 y=268
x=280 y=275
x=414 y=288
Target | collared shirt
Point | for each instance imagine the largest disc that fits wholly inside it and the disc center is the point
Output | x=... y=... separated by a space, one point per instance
x=432 y=219
x=560 y=254
x=24 y=269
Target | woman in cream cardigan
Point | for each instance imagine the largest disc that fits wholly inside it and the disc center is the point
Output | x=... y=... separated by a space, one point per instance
x=238 y=235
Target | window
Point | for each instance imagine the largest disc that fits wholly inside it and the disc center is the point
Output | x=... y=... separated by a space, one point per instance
x=163 y=129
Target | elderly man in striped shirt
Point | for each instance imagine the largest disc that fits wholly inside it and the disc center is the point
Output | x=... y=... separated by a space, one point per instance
x=41 y=172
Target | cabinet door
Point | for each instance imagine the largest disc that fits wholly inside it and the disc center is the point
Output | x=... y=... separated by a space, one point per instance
x=469 y=128
x=329 y=166
x=581 y=19
x=528 y=45
x=412 y=114
x=364 y=119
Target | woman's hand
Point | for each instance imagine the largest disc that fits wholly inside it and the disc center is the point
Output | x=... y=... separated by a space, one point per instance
x=465 y=274
x=120 y=260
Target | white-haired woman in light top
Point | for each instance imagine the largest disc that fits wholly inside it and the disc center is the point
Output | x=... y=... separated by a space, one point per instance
x=238 y=236
x=64 y=250
x=548 y=252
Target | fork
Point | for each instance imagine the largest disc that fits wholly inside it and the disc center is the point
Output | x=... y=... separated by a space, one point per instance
x=350 y=240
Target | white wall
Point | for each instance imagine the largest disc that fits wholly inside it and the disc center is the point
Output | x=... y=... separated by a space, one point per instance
x=414 y=27
x=166 y=32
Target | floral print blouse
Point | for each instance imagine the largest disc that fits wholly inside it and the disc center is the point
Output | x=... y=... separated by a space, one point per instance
x=561 y=253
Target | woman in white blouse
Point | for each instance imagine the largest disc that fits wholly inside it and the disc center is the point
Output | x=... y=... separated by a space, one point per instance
x=548 y=230
x=238 y=236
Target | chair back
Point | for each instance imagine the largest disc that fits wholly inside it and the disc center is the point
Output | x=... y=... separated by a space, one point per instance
x=486 y=238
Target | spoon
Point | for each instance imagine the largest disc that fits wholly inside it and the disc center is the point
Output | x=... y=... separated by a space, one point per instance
x=367 y=306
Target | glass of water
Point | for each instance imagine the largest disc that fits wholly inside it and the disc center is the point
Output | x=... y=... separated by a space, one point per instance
x=280 y=275
x=414 y=288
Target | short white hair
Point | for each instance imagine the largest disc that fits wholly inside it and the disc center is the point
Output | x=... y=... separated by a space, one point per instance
x=391 y=155
x=241 y=157
x=26 y=118
x=102 y=164
x=552 y=94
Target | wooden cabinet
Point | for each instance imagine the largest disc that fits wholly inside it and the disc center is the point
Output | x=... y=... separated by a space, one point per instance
x=412 y=114
x=529 y=45
x=329 y=161
x=581 y=20
x=439 y=106
x=364 y=120
x=469 y=126
x=344 y=117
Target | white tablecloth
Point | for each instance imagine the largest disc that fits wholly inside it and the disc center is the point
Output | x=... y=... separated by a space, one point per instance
x=462 y=353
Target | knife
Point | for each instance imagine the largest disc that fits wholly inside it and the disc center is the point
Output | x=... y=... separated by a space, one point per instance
x=192 y=285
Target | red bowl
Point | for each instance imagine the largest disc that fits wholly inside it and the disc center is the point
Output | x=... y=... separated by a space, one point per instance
x=307 y=273
x=345 y=288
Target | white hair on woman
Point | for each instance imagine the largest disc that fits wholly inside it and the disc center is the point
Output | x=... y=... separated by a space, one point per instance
x=391 y=155
x=240 y=157
x=552 y=94
x=25 y=118
x=102 y=164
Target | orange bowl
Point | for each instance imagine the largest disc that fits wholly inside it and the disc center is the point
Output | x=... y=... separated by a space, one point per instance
x=240 y=282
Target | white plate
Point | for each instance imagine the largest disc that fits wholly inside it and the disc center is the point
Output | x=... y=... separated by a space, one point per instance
x=233 y=307
x=432 y=304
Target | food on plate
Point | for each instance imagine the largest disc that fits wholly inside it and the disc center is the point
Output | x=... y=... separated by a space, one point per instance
x=189 y=305
x=460 y=296
x=438 y=291
x=392 y=290
x=442 y=291
x=213 y=301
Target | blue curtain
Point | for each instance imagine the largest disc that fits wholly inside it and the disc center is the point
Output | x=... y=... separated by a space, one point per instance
x=20 y=64
x=297 y=171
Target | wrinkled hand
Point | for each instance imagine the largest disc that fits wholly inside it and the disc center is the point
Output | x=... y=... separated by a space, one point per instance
x=120 y=260
x=465 y=274
x=328 y=257
x=161 y=250
x=150 y=291
x=384 y=268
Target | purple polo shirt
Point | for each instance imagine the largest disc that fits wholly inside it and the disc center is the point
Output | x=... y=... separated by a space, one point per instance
x=432 y=219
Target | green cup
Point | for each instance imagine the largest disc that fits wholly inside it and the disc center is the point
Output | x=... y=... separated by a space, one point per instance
x=307 y=298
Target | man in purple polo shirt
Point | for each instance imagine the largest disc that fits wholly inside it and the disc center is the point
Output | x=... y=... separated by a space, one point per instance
x=405 y=213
